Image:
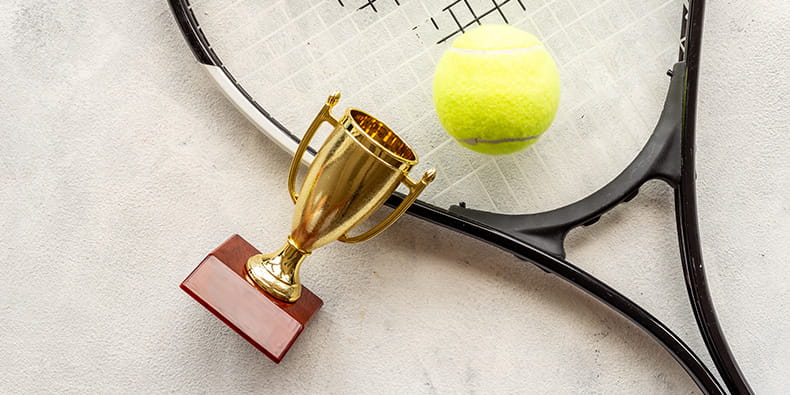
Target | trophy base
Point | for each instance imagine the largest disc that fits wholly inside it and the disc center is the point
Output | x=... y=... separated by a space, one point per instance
x=221 y=285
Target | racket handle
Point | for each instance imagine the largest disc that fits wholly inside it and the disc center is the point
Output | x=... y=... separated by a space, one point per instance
x=415 y=188
x=325 y=115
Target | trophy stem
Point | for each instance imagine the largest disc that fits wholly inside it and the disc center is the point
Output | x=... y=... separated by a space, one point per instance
x=278 y=273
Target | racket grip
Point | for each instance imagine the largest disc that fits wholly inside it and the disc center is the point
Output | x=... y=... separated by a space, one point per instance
x=415 y=189
x=325 y=115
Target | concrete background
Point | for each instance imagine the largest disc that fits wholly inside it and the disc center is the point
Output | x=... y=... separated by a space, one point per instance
x=121 y=166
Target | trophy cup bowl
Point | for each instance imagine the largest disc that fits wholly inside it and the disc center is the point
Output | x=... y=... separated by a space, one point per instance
x=357 y=168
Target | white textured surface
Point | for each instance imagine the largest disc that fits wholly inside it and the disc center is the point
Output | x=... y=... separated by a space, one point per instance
x=121 y=166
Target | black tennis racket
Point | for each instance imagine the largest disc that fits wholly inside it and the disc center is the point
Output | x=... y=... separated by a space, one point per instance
x=621 y=121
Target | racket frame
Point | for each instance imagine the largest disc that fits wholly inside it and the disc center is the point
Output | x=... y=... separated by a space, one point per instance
x=538 y=238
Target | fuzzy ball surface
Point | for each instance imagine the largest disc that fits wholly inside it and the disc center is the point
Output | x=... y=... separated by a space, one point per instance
x=496 y=89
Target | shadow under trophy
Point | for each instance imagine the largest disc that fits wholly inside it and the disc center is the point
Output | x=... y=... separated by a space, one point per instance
x=357 y=168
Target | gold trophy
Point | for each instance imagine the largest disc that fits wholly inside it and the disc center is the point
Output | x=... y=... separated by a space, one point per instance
x=358 y=167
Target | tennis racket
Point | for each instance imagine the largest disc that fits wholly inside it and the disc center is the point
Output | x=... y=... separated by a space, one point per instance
x=622 y=121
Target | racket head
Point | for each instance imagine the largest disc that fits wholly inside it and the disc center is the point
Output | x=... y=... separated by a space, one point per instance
x=277 y=61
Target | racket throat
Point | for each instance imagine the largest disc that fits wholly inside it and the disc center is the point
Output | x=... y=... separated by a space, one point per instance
x=658 y=159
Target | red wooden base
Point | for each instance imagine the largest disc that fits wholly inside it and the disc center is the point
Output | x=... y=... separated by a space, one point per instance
x=219 y=283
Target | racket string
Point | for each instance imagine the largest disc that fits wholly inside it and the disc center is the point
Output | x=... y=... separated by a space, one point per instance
x=574 y=32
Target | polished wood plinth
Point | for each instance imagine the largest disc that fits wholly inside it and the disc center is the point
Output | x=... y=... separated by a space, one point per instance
x=219 y=283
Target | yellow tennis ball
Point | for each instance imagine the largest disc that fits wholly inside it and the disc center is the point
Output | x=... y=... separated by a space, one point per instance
x=496 y=90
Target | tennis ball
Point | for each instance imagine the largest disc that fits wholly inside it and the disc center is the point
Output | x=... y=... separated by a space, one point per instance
x=496 y=89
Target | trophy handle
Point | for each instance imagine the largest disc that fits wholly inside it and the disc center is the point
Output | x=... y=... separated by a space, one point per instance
x=325 y=115
x=415 y=188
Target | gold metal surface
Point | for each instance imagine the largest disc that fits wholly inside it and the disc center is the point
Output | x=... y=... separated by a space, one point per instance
x=358 y=167
x=278 y=273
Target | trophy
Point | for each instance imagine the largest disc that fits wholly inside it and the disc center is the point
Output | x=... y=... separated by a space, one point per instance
x=357 y=168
